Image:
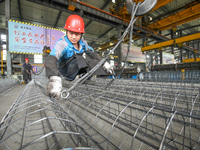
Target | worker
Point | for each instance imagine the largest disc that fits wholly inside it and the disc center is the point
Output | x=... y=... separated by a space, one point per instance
x=27 y=68
x=71 y=56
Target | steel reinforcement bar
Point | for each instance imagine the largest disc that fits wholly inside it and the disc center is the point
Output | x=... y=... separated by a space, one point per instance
x=126 y=115
x=139 y=115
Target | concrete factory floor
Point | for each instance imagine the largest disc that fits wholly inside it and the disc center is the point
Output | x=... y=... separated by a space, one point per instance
x=7 y=99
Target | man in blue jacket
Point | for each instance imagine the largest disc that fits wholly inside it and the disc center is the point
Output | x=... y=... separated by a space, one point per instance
x=71 y=56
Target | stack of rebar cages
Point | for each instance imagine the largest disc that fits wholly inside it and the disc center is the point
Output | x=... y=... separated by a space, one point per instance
x=126 y=115
x=171 y=76
x=6 y=84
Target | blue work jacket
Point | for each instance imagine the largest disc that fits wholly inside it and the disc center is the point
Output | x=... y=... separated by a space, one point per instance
x=64 y=49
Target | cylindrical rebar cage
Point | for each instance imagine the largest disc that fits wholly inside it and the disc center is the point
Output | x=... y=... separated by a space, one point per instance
x=126 y=115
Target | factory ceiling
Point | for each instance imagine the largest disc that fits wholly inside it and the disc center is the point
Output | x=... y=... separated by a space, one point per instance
x=103 y=17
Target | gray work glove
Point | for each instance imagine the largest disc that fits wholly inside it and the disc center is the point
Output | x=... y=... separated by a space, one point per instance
x=54 y=87
x=109 y=68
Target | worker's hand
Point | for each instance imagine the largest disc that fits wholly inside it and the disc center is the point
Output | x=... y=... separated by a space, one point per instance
x=109 y=68
x=54 y=87
x=28 y=72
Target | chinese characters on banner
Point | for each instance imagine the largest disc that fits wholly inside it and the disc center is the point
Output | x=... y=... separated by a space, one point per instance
x=31 y=39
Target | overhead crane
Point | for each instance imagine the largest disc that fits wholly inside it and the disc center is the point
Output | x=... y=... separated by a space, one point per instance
x=125 y=15
x=180 y=40
x=123 y=12
x=189 y=14
x=148 y=32
x=112 y=19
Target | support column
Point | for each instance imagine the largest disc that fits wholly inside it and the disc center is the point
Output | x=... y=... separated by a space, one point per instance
x=7 y=15
x=161 y=58
x=195 y=55
x=181 y=55
x=188 y=52
x=198 y=46
x=1 y=50
x=144 y=41
x=156 y=57
x=172 y=37
x=118 y=50
x=181 y=49
x=194 y=46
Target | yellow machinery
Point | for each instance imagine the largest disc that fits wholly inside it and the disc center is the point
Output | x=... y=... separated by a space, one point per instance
x=191 y=60
x=179 y=41
x=46 y=50
x=119 y=8
x=72 y=5
x=189 y=13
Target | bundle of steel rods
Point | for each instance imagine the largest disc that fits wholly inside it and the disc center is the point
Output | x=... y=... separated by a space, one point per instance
x=171 y=76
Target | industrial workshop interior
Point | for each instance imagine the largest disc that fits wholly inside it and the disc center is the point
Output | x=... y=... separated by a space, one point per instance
x=100 y=74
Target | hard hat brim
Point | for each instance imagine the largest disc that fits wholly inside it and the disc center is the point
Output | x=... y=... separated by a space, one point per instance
x=74 y=30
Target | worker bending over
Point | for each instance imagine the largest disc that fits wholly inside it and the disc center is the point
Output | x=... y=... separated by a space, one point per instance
x=71 y=56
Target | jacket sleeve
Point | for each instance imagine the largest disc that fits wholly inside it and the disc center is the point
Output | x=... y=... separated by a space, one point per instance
x=51 y=66
x=95 y=55
x=31 y=68
x=23 y=69
x=91 y=53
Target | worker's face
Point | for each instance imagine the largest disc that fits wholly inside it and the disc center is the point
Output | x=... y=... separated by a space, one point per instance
x=74 y=37
x=26 y=61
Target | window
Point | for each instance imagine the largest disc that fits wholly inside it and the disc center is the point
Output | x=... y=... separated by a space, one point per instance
x=4 y=55
x=3 y=37
x=38 y=59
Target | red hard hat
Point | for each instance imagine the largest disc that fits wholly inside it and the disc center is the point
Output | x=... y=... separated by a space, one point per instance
x=75 y=23
x=26 y=59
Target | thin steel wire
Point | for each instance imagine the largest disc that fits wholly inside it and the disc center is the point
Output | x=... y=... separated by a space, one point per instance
x=126 y=115
x=37 y=122
x=169 y=124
